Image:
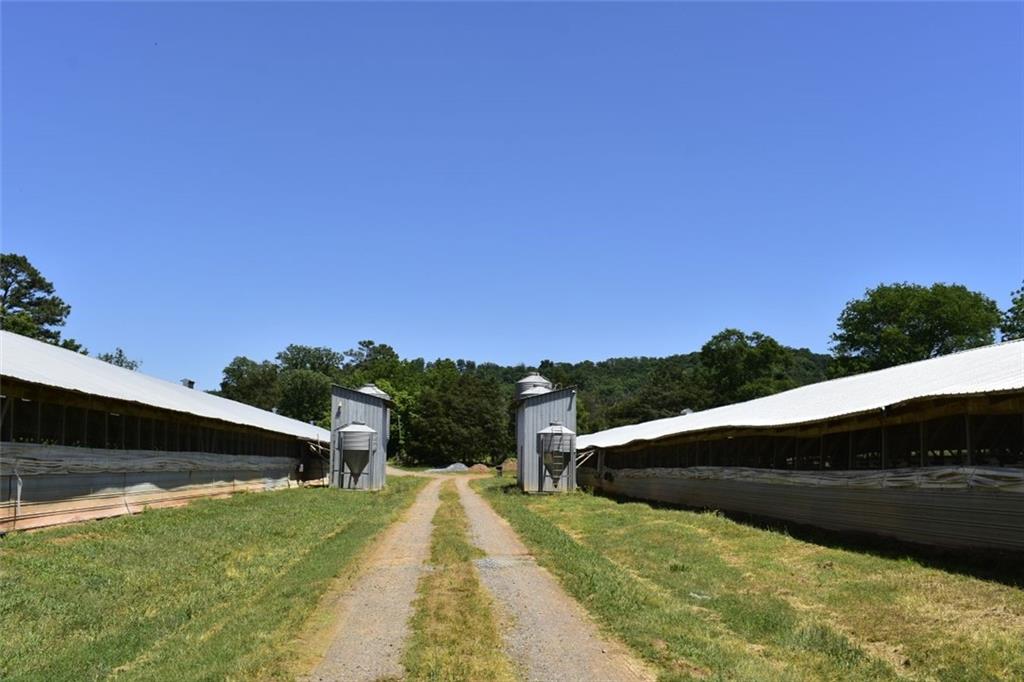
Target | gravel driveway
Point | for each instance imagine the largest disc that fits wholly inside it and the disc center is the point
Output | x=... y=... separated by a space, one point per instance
x=548 y=635
x=373 y=616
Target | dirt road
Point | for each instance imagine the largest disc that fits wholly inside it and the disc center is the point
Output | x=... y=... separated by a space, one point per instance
x=547 y=633
x=373 y=616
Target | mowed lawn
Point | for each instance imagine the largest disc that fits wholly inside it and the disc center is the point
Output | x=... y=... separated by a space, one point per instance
x=701 y=596
x=215 y=590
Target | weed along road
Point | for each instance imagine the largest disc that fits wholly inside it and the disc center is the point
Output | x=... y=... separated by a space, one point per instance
x=544 y=634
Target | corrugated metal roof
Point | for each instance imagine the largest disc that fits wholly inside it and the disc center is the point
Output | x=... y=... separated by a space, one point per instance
x=982 y=370
x=41 y=363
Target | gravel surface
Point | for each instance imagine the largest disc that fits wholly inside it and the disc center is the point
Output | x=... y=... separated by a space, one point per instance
x=548 y=635
x=373 y=615
x=456 y=468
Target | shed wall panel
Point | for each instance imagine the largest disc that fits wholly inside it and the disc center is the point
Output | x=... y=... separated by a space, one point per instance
x=532 y=415
x=349 y=406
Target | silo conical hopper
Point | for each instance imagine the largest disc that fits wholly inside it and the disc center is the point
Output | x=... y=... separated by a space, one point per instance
x=357 y=442
x=556 y=445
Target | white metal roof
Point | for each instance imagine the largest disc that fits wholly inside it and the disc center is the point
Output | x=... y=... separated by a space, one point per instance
x=983 y=370
x=42 y=363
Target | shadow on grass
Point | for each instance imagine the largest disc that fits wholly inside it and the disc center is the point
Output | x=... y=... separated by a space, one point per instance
x=994 y=565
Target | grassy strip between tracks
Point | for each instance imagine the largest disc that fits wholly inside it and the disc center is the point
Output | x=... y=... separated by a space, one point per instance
x=454 y=632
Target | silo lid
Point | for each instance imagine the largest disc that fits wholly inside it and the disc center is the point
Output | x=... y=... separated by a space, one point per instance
x=356 y=427
x=372 y=389
x=558 y=428
x=534 y=378
x=535 y=390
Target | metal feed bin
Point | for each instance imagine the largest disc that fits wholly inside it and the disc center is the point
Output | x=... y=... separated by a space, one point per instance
x=556 y=448
x=357 y=444
x=354 y=415
x=538 y=406
x=532 y=384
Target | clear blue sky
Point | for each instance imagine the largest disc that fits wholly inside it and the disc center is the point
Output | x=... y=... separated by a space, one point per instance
x=503 y=182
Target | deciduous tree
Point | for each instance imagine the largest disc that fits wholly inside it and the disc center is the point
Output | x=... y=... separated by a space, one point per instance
x=251 y=382
x=1012 y=326
x=314 y=358
x=898 y=323
x=739 y=366
x=458 y=417
x=305 y=395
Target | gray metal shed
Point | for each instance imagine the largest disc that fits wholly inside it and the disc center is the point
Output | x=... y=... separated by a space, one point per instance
x=364 y=410
x=535 y=413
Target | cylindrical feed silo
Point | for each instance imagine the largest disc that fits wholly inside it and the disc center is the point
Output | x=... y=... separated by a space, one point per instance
x=556 y=448
x=357 y=444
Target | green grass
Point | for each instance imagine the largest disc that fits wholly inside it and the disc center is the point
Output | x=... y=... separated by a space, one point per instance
x=215 y=590
x=454 y=633
x=699 y=595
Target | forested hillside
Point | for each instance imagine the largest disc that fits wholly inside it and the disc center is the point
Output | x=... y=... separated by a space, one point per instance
x=460 y=410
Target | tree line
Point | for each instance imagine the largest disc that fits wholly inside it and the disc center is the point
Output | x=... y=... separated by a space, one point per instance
x=447 y=410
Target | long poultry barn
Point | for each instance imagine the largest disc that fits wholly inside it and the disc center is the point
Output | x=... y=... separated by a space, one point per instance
x=83 y=439
x=930 y=452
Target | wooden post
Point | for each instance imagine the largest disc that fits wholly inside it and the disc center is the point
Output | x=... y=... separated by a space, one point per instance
x=63 y=424
x=3 y=413
x=885 y=447
x=967 y=439
x=921 y=443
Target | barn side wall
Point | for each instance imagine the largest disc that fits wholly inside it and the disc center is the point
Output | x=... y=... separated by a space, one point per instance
x=947 y=472
x=45 y=485
x=968 y=517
